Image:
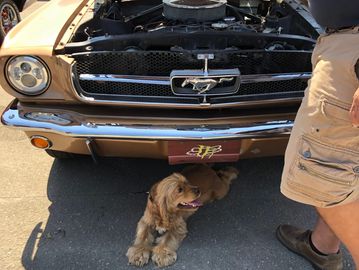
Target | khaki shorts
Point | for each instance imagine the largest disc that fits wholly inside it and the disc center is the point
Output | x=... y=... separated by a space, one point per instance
x=322 y=158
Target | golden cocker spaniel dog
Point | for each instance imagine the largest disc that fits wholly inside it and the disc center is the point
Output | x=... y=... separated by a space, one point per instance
x=170 y=202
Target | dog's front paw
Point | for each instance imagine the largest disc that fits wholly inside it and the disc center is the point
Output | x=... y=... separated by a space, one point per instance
x=163 y=257
x=138 y=255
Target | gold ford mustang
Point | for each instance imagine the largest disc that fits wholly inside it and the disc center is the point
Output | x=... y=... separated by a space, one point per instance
x=187 y=81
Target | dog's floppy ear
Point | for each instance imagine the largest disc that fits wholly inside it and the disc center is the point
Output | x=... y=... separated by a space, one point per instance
x=158 y=204
x=163 y=211
x=153 y=193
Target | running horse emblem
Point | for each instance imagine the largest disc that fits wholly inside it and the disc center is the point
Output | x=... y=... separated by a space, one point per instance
x=202 y=85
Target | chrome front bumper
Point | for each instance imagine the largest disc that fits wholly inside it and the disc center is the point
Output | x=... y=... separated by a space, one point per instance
x=61 y=124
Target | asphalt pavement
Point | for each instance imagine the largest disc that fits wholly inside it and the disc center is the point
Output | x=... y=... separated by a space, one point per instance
x=72 y=214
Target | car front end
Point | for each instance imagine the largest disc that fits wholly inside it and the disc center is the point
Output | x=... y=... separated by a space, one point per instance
x=214 y=81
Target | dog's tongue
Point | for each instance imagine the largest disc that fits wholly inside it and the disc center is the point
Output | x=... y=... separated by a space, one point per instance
x=193 y=204
x=196 y=203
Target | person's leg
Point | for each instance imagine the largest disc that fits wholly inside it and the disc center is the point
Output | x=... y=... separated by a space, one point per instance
x=344 y=221
x=324 y=239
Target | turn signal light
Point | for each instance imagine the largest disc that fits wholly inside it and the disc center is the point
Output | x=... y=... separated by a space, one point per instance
x=40 y=142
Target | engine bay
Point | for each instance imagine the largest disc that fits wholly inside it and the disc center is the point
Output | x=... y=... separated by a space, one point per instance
x=161 y=51
x=195 y=24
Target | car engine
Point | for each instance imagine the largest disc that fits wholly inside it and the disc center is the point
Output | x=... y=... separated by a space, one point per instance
x=116 y=17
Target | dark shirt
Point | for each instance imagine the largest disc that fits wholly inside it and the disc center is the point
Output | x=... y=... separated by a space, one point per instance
x=335 y=14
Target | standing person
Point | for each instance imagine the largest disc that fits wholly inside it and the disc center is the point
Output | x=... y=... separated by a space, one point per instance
x=322 y=158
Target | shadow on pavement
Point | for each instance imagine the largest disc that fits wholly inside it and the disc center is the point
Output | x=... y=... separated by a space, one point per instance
x=93 y=213
x=95 y=209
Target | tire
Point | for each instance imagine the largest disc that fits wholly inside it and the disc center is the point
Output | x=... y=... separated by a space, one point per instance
x=59 y=154
x=10 y=16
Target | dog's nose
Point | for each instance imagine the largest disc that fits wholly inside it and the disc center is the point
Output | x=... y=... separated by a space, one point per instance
x=196 y=191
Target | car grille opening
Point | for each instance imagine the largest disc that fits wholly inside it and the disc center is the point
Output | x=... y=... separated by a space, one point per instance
x=162 y=63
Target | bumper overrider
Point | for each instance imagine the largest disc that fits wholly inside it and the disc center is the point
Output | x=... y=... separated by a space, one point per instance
x=180 y=143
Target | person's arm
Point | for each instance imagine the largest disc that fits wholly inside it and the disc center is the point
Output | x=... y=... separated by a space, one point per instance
x=354 y=110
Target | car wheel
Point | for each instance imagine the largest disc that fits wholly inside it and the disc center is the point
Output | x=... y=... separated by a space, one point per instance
x=10 y=16
x=59 y=154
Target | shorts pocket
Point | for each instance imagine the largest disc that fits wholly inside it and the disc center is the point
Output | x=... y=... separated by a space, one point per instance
x=336 y=110
x=323 y=173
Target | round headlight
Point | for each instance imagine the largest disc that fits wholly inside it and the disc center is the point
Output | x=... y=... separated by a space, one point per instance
x=28 y=75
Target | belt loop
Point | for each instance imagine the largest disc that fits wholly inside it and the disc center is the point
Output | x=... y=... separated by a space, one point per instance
x=356 y=29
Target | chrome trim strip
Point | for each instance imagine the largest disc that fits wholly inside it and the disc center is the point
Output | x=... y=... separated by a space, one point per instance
x=126 y=79
x=163 y=80
x=12 y=117
x=274 y=77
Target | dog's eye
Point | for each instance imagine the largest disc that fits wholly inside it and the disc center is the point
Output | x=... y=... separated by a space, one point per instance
x=180 y=190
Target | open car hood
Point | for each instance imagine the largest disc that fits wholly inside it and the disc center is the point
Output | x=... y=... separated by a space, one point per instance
x=39 y=33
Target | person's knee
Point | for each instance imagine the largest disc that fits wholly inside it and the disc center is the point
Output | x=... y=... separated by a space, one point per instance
x=339 y=208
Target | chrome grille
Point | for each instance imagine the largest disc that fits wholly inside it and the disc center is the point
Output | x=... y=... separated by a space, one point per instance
x=152 y=90
x=145 y=67
x=161 y=63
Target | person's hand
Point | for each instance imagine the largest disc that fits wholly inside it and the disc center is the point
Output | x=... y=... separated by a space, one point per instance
x=354 y=110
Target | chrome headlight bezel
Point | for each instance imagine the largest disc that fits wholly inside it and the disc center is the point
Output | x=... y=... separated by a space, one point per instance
x=26 y=65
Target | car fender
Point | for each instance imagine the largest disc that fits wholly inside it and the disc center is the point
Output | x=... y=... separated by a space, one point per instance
x=51 y=20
